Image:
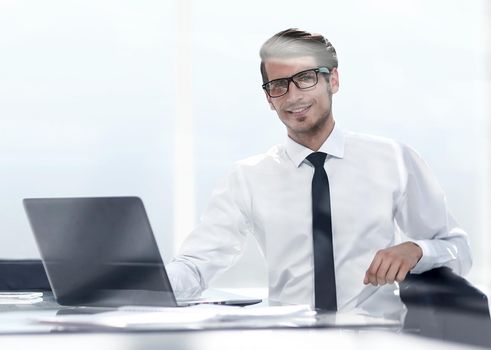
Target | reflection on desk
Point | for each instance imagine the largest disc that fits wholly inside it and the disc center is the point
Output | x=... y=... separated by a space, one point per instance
x=298 y=329
x=319 y=338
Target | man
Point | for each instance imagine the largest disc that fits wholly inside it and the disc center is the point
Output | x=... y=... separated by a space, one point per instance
x=340 y=217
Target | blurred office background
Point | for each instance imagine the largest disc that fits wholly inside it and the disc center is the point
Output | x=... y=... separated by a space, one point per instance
x=158 y=99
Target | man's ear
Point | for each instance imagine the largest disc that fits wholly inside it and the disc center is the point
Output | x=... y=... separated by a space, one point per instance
x=334 y=80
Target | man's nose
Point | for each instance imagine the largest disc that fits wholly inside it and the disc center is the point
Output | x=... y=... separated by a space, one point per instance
x=294 y=93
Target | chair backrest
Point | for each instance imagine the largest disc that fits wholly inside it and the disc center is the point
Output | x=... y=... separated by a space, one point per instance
x=443 y=289
x=23 y=275
x=443 y=305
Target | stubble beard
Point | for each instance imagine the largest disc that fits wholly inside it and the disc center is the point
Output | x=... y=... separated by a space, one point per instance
x=305 y=132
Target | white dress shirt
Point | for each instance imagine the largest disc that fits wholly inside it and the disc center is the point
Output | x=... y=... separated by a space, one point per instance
x=382 y=193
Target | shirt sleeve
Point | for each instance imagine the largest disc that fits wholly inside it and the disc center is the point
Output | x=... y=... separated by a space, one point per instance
x=218 y=240
x=423 y=216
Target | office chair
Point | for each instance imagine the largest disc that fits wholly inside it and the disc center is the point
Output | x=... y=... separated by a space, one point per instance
x=23 y=275
x=443 y=305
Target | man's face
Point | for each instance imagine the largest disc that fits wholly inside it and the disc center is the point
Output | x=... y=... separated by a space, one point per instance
x=305 y=112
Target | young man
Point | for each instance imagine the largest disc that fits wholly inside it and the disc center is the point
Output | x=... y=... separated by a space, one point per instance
x=329 y=207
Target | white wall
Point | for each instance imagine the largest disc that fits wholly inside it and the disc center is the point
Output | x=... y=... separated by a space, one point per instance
x=90 y=104
x=86 y=107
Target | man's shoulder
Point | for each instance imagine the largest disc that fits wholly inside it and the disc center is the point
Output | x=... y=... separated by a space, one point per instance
x=274 y=155
x=373 y=144
x=254 y=168
x=272 y=161
x=352 y=137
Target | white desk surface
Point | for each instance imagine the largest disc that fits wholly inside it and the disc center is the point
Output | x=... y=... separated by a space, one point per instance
x=17 y=332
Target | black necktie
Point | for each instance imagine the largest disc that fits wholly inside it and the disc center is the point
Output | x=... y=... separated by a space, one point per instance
x=325 y=281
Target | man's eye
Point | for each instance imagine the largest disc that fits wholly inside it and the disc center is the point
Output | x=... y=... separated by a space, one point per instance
x=304 y=77
x=278 y=84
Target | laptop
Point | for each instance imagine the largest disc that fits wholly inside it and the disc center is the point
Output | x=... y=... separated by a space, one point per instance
x=101 y=252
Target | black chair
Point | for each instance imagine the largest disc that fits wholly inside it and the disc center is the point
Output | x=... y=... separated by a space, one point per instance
x=443 y=305
x=23 y=275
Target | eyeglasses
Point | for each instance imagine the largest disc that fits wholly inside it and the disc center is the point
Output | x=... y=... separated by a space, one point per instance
x=302 y=80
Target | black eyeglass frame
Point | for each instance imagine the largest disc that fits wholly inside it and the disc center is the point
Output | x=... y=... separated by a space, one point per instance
x=318 y=70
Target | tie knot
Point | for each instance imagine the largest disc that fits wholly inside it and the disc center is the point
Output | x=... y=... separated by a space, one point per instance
x=317 y=159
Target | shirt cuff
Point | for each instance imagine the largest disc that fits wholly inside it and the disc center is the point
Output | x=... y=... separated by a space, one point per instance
x=183 y=281
x=428 y=258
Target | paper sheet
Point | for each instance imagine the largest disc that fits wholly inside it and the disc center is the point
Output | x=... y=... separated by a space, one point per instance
x=20 y=297
x=194 y=317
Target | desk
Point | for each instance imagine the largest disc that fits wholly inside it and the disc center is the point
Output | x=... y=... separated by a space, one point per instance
x=227 y=340
x=17 y=332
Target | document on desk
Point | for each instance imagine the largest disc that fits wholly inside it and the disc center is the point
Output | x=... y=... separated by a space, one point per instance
x=193 y=317
x=20 y=298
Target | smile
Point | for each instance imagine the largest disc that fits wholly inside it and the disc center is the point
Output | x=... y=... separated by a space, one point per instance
x=299 y=109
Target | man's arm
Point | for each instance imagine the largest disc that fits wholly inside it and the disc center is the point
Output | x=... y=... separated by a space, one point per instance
x=422 y=215
x=218 y=240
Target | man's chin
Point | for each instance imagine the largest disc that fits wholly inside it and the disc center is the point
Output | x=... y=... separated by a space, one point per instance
x=299 y=130
x=298 y=123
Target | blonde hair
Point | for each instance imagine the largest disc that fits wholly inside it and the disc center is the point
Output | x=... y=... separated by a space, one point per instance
x=292 y=43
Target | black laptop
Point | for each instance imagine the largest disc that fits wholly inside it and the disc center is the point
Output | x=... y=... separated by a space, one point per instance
x=100 y=251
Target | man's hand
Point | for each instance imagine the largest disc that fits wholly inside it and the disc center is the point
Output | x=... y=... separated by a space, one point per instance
x=393 y=264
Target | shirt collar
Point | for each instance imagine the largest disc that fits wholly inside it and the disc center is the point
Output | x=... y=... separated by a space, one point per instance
x=333 y=146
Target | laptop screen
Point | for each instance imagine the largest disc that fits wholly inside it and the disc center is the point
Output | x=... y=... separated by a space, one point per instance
x=99 y=251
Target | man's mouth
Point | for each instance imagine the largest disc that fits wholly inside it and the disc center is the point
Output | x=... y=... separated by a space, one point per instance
x=298 y=109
